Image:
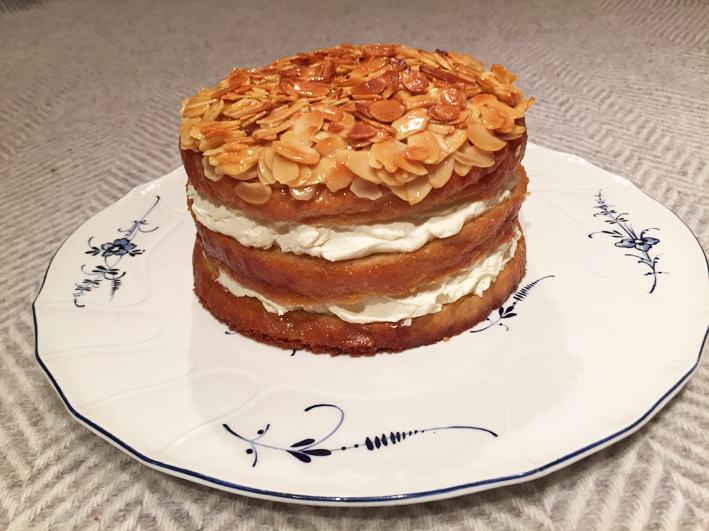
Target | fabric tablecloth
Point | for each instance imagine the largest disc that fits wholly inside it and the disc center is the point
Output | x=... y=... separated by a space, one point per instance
x=89 y=99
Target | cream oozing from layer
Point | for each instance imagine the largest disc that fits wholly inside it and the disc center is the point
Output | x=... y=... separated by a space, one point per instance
x=428 y=299
x=342 y=243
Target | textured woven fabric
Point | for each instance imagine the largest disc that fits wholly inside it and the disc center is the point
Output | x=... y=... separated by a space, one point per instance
x=89 y=99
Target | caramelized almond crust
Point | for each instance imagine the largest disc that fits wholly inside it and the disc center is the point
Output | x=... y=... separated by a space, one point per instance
x=344 y=207
x=302 y=280
x=320 y=333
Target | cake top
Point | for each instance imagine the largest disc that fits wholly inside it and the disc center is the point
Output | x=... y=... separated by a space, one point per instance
x=357 y=117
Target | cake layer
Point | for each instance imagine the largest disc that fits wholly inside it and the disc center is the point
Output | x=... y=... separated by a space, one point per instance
x=344 y=207
x=342 y=242
x=327 y=333
x=304 y=280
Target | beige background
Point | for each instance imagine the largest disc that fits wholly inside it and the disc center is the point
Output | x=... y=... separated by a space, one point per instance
x=89 y=99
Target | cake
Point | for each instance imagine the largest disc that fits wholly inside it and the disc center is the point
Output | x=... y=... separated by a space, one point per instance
x=356 y=199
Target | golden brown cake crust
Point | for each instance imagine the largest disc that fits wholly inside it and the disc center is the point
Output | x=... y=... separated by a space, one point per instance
x=302 y=280
x=345 y=208
x=328 y=334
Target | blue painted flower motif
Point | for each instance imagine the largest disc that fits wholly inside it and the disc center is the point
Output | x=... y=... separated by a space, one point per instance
x=118 y=247
x=305 y=450
x=641 y=244
x=629 y=239
x=112 y=253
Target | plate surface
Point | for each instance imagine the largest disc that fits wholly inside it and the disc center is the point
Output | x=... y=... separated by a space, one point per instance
x=606 y=327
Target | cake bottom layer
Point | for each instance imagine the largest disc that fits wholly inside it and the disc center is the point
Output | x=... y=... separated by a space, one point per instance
x=325 y=333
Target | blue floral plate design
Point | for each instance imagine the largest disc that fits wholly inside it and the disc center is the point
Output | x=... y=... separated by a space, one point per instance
x=588 y=349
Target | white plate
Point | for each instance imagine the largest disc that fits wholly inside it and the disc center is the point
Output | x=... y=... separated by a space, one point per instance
x=581 y=356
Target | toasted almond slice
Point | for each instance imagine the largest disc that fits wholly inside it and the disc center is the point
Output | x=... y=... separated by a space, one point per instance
x=412 y=122
x=409 y=165
x=426 y=140
x=307 y=125
x=268 y=133
x=280 y=114
x=311 y=88
x=473 y=156
x=387 y=178
x=444 y=112
x=386 y=110
x=291 y=138
x=215 y=109
x=486 y=141
x=460 y=168
x=523 y=106
x=441 y=129
x=322 y=168
x=516 y=132
x=209 y=172
x=415 y=81
x=265 y=175
x=369 y=66
x=451 y=143
x=361 y=131
x=296 y=152
x=439 y=174
x=329 y=145
x=330 y=112
x=254 y=193
x=370 y=88
x=236 y=164
x=358 y=163
x=303 y=193
x=195 y=109
x=414 y=191
x=210 y=143
x=285 y=170
x=417 y=153
x=493 y=118
x=384 y=152
x=338 y=177
x=419 y=102
x=402 y=176
x=365 y=189
x=268 y=154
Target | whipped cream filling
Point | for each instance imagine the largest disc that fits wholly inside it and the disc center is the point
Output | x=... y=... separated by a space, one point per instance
x=342 y=243
x=428 y=299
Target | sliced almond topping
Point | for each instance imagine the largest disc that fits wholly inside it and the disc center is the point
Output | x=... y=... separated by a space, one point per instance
x=414 y=191
x=441 y=129
x=460 y=168
x=415 y=81
x=208 y=170
x=427 y=141
x=417 y=153
x=358 y=163
x=296 y=152
x=284 y=170
x=339 y=177
x=409 y=165
x=322 y=168
x=270 y=133
x=365 y=189
x=386 y=110
x=473 y=156
x=303 y=193
x=523 y=106
x=369 y=66
x=254 y=193
x=444 y=112
x=265 y=175
x=311 y=88
x=480 y=137
x=307 y=125
x=439 y=174
x=412 y=122
x=236 y=164
x=387 y=178
x=384 y=152
x=369 y=88
x=379 y=50
x=329 y=145
x=440 y=74
x=517 y=131
x=330 y=112
x=449 y=144
x=361 y=130
x=453 y=96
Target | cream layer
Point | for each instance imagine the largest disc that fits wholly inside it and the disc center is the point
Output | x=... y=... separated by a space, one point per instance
x=342 y=243
x=428 y=299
